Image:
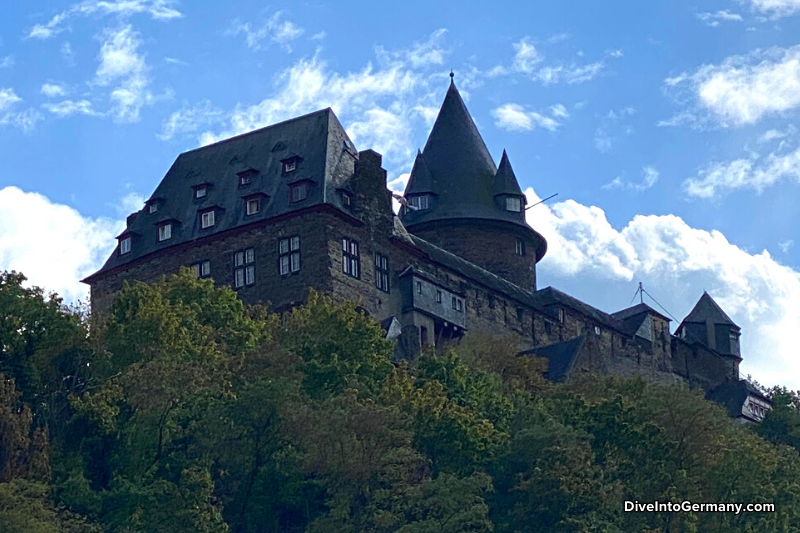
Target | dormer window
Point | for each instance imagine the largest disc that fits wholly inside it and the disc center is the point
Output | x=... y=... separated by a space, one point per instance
x=290 y=165
x=253 y=206
x=152 y=207
x=200 y=191
x=246 y=177
x=514 y=203
x=299 y=192
x=125 y=246
x=419 y=202
x=207 y=219
x=346 y=200
x=164 y=232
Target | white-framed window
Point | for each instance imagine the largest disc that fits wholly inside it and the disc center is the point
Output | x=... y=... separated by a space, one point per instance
x=125 y=246
x=382 y=272
x=418 y=285
x=597 y=330
x=246 y=179
x=420 y=202
x=164 y=232
x=351 y=260
x=299 y=192
x=514 y=203
x=200 y=191
x=520 y=247
x=152 y=208
x=207 y=219
x=244 y=268
x=458 y=304
x=438 y=296
x=346 y=201
x=290 y=165
x=289 y=255
x=204 y=269
x=252 y=206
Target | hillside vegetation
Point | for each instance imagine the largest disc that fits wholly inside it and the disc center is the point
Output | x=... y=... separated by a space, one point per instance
x=186 y=411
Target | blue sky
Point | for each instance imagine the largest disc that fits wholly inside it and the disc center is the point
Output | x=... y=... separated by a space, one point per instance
x=666 y=128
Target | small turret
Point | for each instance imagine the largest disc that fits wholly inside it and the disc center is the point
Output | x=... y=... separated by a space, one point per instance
x=506 y=189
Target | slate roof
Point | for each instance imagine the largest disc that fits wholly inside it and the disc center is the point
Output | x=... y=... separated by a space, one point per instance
x=420 y=179
x=325 y=161
x=462 y=173
x=707 y=309
x=549 y=296
x=633 y=317
x=505 y=181
x=560 y=356
x=732 y=395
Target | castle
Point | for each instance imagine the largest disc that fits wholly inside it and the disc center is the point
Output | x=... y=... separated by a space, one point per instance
x=294 y=205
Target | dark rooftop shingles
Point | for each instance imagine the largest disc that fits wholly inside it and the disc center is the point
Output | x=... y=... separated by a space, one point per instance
x=560 y=356
x=707 y=309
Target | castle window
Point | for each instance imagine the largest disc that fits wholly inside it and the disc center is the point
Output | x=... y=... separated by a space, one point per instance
x=514 y=203
x=164 y=232
x=560 y=316
x=419 y=202
x=244 y=272
x=152 y=207
x=200 y=191
x=299 y=192
x=520 y=247
x=419 y=287
x=289 y=255
x=597 y=330
x=438 y=296
x=351 y=262
x=382 y=272
x=201 y=269
x=346 y=200
x=125 y=246
x=290 y=165
x=207 y=219
x=253 y=206
x=245 y=179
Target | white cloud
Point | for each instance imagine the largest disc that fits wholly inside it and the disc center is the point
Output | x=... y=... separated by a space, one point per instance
x=514 y=117
x=53 y=90
x=125 y=70
x=130 y=203
x=68 y=54
x=713 y=19
x=649 y=178
x=752 y=173
x=760 y=294
x=8 y=99
x=786 y=245
x=36 y=234
x=7 y=61
x=526 y=57
x=602 y=141
x=615 y=53
x=9 y=116
x=744 y=89
x=774 y=8
x=157 y=9
x=67 y=108
x=274 y=30
x=378 y=105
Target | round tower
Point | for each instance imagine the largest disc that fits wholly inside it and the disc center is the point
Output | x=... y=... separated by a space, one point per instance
x=459 y=200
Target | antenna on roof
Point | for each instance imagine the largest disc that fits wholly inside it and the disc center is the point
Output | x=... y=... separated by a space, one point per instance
x=541 y=201
x=641 y=292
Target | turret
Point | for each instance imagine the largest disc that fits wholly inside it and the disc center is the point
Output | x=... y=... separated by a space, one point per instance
x=710 y=326
x=460 y=201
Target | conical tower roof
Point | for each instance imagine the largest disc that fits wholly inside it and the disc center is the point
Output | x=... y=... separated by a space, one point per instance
x=505 y=182
x=462 y=172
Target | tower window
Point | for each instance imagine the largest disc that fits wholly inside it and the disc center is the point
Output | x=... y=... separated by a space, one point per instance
x=597 y=330
x=299 y=192
x=244 y=272
x=514 y=203
x=207 y=219
x=289 y=255
x=351 y=262
x=438 y=296
x=253 y=206
x=125 y=246
x=419 y=202
x=382 y=272
x=164 y=232
x=560 y=316
x=419 y=287
x=520 y=247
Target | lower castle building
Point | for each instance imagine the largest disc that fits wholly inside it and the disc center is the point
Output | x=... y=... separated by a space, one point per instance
x=294 y=206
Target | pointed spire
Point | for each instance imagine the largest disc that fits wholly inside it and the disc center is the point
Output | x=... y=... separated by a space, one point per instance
x=707 y=310
x=505 y=181
x=420 y=179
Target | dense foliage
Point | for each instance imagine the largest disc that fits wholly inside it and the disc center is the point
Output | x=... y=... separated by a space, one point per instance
x=184 y=410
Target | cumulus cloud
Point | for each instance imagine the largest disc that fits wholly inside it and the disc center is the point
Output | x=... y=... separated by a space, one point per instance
x=759 y=293
x=649 y=178
x=53 y=90
x=275 y=30
x=157 y=9
x=379 y=106
x=743 y=89
x=10 y=115
x=514 y=117
x=774 y=8
x=36 y=234
x=753 y=173
x=124 y=70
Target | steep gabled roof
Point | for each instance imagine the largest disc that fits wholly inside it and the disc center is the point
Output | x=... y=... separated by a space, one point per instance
x=326 y=162
x=560 y=356
x=419 y=182
x=707 y=310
